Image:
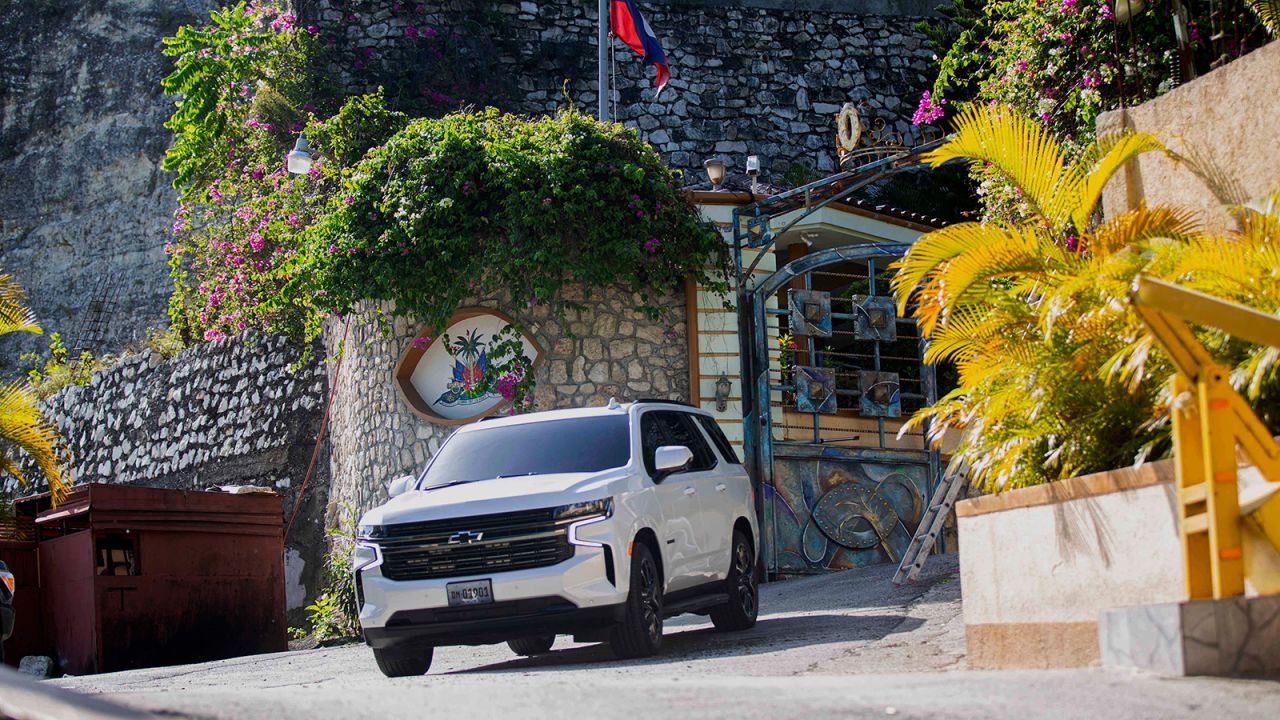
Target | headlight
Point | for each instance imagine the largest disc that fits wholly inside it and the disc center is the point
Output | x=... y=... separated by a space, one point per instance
x=594 y=508
x=364 y=556
x=583 y=514
x=370 y=532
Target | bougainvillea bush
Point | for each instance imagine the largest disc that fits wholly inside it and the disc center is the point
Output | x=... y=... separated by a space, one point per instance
x=420 y=213
x=1058 y=61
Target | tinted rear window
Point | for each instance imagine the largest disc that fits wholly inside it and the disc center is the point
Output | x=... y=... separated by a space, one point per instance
x=572 y=445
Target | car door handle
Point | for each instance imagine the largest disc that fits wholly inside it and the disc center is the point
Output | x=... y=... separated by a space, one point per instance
x=690 y=491
x=721 y=487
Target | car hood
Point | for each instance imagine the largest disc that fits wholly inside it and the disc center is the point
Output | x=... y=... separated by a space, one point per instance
x=528 y=492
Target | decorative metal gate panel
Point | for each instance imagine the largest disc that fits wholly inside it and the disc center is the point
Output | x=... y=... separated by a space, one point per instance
x=836 y=374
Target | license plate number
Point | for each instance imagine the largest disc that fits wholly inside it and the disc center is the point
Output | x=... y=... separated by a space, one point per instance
x=472 y=592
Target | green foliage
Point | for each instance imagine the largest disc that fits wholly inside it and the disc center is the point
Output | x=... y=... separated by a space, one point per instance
x=49 y=375
x=334 y=615
x=220 y=71
x=166 y=343
x=422 y=213
x=1057 y=377
x=482 y=202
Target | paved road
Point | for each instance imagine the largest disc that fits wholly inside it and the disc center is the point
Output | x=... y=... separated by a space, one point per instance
x=842 y=645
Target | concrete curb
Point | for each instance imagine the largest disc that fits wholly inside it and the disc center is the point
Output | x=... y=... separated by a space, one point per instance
x=22 y=698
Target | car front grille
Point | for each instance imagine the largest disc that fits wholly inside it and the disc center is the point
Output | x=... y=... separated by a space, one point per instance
x=474 y=545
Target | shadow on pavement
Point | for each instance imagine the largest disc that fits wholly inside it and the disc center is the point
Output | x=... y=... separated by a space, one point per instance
x=769 y=635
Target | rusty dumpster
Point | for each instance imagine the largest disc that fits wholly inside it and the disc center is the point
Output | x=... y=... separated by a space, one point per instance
x=135 y=577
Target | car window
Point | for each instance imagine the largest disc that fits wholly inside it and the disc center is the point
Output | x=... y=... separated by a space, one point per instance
x=717 y=437
x=571 y=445
x=688 y=435
x=667 y=427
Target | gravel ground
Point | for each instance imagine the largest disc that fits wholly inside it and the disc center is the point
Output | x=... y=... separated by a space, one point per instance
x=838 y=645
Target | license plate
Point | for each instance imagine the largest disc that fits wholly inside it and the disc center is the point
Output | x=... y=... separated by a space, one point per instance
x=472 y=592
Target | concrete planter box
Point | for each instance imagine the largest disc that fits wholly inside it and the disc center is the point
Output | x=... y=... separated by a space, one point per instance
x=1039 y=566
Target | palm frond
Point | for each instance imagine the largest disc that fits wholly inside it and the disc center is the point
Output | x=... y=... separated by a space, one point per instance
x=1108 y=154
x=1142 y=224
x=15 y=316
x=1268 y=11
x=1023 y=150
x=23 y=426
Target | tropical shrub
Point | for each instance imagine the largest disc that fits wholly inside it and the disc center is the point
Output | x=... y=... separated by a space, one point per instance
x=23 y=427
x=1056 y=375
x=418 y=213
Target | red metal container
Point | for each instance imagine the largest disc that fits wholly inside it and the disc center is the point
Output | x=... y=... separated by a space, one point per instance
x=137 y=577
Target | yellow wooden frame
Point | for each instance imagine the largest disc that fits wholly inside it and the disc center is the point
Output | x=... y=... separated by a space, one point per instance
x=1210 y=420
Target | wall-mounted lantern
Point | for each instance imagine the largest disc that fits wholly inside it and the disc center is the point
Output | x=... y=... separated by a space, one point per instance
x=722 y=392
x=299 y=158
x=715 y=171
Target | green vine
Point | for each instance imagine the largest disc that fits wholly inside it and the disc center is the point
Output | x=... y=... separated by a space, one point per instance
x=418 y=213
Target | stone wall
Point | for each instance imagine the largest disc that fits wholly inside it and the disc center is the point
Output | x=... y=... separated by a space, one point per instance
x=232 y=412
x=83 y=197
x=1222 y=123
x=84 y=205
x=759 y=77
x=612 y=350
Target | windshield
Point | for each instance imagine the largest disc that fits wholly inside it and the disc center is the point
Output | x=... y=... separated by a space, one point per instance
x=572 y=445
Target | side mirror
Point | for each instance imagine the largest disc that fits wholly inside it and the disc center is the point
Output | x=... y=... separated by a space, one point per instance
x=400 y=485
x=670 y=459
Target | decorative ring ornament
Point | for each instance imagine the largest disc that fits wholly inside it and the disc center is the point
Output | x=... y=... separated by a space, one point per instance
x=848 y=128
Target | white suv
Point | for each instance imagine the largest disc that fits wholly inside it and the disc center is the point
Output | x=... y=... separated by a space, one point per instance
x=596 y=522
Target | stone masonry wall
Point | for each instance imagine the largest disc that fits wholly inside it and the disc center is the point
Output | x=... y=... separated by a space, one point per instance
x=612 y=350
x=232 y=412
x=762 y=77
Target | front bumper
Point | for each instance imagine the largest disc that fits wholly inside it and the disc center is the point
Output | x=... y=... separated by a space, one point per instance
x=569 y=597
x=493 y=623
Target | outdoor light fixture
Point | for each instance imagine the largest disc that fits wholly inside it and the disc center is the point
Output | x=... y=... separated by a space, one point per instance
x=722 y=393
x=753 y=170
x=299 y=159
x=715 y=171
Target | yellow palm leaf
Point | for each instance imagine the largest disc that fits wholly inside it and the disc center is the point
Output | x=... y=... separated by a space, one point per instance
x=1023 y=150
x=23 y=426
x=1104 y=159
x=15 y=316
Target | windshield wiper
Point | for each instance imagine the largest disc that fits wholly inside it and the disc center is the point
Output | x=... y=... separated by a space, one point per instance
x=448 y=484
x=499 y=477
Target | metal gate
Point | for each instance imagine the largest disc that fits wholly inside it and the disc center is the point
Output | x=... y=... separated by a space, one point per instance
x=830 y=374
x=836 y=373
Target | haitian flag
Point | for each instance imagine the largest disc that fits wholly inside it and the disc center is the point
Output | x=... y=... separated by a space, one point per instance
x=630 y=26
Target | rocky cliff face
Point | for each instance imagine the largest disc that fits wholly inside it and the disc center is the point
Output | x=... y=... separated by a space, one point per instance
x=85 y=208
x=84 y=205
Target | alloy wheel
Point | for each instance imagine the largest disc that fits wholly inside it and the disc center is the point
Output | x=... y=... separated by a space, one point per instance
x=745 y=570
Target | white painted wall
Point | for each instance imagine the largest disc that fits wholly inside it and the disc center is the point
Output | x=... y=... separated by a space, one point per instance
x=1068 y=561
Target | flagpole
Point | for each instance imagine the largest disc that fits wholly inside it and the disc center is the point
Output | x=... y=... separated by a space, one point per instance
x=602 y=43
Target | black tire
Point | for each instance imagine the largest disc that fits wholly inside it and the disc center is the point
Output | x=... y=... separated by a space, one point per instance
x=404 y=662
x=533 y=645
x=744 y=592
x=640 y=632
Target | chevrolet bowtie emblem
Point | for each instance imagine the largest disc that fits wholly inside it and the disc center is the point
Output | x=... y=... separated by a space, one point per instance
x=465 y=537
